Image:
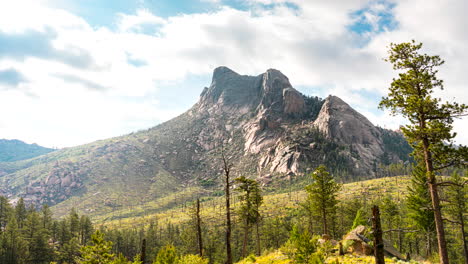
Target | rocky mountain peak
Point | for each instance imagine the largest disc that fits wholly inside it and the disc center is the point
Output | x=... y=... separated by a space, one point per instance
x=340 y=122
x=267 y=128
x=278 y=94
x=268 y=92
x=221 y=72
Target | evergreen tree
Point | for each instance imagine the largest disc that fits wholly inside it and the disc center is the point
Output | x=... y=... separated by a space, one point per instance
x=167 y=255
x=420 y=206
x=430 y=129
x=69 y=251
x=74 y=223
x=86 y=229
x=98 y=252
x=39 y=249
x=359 y=219
x=20 y=212
x=457 y=207
x=5 y=211
x=249 y=210
x=321 y=196
x=15 y=245
x=46 y=215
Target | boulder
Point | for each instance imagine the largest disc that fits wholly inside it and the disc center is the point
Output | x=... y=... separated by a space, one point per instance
x=361 y=245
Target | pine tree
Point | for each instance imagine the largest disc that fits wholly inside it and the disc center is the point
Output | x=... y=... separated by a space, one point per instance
x=251 y=200
x=69 y=251
x=420 y=206
x=457 y=208
x=322 y=196
x=20 y=212
x=99 y=252
x=5 y=211
x=74 y=222
x=430 y=129
x=39 y=249
x=86 y=229
x=167 y=255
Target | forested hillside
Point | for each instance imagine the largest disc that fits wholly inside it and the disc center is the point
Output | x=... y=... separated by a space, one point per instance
x=14 y=150
x=289 y=230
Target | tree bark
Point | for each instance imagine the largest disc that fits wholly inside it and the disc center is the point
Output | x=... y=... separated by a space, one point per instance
x=428 y=244
x=143 y=251
x=258 y=238
x=378 y=241
x=442 y=244
x=199 y=232
x=246 y=237
x=462 y=227
x=227 y=169
x=324 y=219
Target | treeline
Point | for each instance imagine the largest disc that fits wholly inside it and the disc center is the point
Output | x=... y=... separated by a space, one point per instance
x=28 y=235
x=407 y=222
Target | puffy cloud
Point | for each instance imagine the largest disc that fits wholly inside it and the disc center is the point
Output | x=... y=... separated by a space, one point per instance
x=138 y=21
x=97 y=82
x=40 y=44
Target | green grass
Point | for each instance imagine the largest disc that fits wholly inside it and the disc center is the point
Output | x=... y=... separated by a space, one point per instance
x=277 y=257
x=176 y=207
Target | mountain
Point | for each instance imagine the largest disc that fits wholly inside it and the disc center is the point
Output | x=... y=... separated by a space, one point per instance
x=14 y=150
x=266 y=128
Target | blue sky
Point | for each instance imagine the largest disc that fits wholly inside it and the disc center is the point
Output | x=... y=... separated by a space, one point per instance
x=72 y=72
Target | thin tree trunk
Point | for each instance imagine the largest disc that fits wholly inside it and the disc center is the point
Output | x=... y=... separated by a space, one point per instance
x=199 y=232
x=258 y=238
x=311 y=223
x=428 y=244
x=462 y=229
x=143 y=251
x=246 y=237
x=227 y=169
x=324 y=219
x=378 y=241
x=442 y=244
x=416 y=245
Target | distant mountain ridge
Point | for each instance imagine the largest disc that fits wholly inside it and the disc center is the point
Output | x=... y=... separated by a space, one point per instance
x=268 y=129
x=14 y=150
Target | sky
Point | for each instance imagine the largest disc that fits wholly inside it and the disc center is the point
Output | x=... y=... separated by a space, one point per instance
x=72 y=72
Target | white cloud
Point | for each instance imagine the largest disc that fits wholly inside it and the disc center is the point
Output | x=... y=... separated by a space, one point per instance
x=136 y=22
x=312 y=45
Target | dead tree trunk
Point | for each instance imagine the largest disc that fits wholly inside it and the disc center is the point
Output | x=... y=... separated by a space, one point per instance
x=462 y=229
x=199 y=232
x=227 y=169
x=378 y=241
x=258 y=238
x=143 y=251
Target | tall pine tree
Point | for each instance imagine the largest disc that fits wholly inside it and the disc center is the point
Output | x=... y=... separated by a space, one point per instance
x=429 y=131
x=321 y=196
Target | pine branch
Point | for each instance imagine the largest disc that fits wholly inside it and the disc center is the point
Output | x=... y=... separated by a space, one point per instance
x=401 y=230
x=452 y=221
x=448 y=183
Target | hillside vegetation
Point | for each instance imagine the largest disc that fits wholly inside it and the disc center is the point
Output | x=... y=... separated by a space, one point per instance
x=14 y=150
x=175 y=209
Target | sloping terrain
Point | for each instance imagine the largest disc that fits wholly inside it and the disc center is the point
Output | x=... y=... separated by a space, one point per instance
x=14 y=150
x=268 y=130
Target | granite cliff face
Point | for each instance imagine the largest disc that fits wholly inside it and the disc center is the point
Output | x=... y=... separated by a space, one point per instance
x=268 y=129
x=341 y=123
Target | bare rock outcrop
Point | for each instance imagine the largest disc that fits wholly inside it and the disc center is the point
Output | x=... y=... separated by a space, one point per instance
x=338 y=121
